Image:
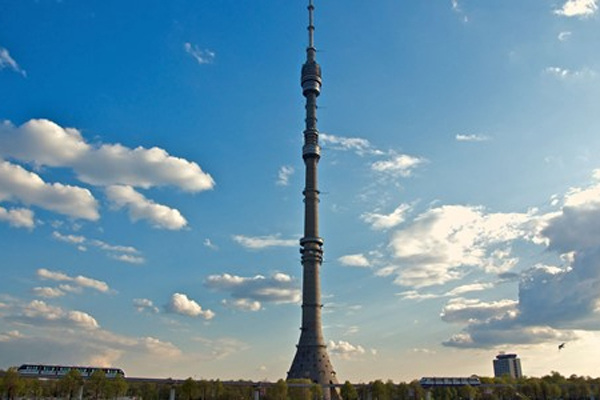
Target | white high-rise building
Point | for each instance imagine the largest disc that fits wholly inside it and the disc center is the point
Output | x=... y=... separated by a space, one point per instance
x=507 y=364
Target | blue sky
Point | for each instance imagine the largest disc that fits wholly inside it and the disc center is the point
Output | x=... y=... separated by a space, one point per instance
x=151 y=178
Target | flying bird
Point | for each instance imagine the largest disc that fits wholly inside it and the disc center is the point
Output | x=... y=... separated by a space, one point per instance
x=561 y=346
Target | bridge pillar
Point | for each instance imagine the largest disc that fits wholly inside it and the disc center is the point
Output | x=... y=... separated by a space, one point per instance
x=80 y=393
x=428 y=394
x=172 y=393
x=256 y=393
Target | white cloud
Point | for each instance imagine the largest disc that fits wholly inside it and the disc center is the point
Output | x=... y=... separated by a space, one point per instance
x=284 y=174
x=438 y=243
x=38 y=313
x=140 y=167
x=458 y=10
x=79 y=280
x=11 y=336
x=471 y=138
x=278 y=288
x=142 y=305
x=121 y=253
x=201 y=56
x=386 y=221
x=48 y=292
x=465 y=310
x=17 y=184
x=468 y=288
x=568 y=74
x=208 y=243
x=44 y=143
x=243 y=304
x=6 y=61
x=181 y=304
x=139 y=207
x=554 y=300
x=564 y=36
x=359 y=145
x=345 y=350
x=17 y=217
x=354 y=260
x=402 y=165
x=262 y=242
x=578 y=8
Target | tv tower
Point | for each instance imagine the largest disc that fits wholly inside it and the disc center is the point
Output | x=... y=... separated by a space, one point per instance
x=311 y=360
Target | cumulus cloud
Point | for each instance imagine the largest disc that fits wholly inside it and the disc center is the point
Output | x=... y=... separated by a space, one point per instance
x=139 y=207
x=465 y=310
x=17 y=217
x=578 y=8
x=401 y=165
x=48 y=292
x=6 y=61
x=555 y=301
x=202 y=56
x=39 y=313
x=436 y=246
x=142 y=305
x=181 y=304
x=354 y=260
x=43 y=143
x=262 y=242
x=278 y=288
x=345 y=350
x=20 y=185
x=79 y=280
x=284 y=174
x=386 y=221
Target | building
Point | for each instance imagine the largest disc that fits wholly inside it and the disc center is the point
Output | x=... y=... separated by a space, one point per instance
x=312 y=359
x=507 y=364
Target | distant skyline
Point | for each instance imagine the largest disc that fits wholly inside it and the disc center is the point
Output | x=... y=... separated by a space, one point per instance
x=151 y=186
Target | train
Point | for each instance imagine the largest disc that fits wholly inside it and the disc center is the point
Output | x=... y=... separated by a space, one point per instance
x=49 y=371
x=429 y=382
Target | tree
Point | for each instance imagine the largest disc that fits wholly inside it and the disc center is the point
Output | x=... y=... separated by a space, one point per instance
x=467 y=392
x=379 y=390
x=12 y=383
x=299 y=389
x=116 y=387
x=349 y=392
x=279 y=391
x=97 y=383
x=189 y=389
x=70 y=384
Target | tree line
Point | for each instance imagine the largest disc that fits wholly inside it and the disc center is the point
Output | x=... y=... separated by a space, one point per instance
x=13 y=386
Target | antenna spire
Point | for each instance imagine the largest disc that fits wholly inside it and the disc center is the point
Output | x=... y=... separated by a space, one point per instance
x=311 y=26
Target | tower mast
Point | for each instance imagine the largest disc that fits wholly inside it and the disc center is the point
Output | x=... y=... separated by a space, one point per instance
x=311 y=360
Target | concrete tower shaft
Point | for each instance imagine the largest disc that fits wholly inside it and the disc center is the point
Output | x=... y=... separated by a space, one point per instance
x=311 y=360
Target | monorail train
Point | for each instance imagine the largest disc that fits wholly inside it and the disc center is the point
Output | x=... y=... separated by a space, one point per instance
x=62 y=370
x=429 y=382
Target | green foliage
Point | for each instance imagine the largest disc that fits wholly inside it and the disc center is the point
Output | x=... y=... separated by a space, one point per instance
x=279 y=391
x=299 y=393
x=348 y=391
x=12 y=384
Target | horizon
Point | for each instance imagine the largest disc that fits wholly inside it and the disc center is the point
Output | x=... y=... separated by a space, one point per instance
x=151 y=183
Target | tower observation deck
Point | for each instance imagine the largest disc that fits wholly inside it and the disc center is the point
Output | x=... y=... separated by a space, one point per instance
x=311 y=360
